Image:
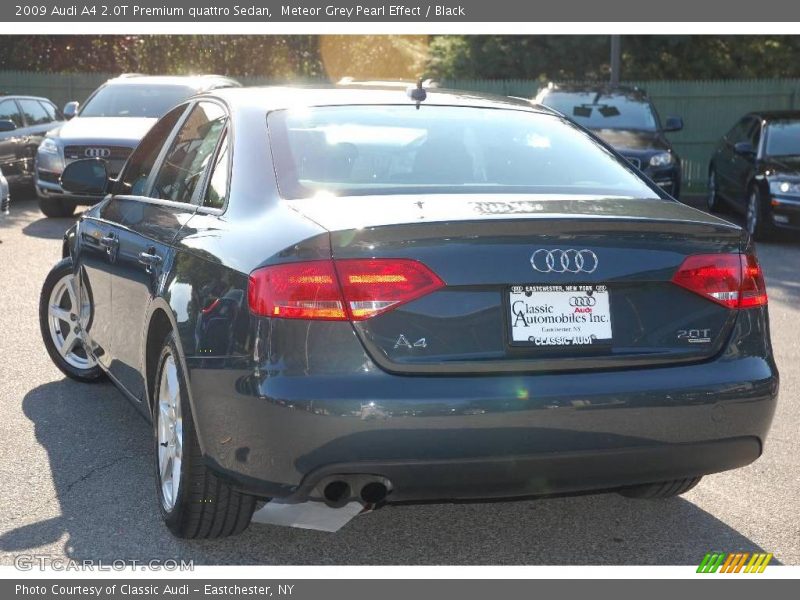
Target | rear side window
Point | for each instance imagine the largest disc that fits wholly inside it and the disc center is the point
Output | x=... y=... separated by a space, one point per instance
x=9 y=112
x=190 y=153
x=217 y=190
x=34 y=112
x=358 y=150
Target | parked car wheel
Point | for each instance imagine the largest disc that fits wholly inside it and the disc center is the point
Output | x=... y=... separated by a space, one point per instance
x=712 y=199
x=56 y=207
x=61 y=318
x=194 y=502
x=663 y=489
x=757 y=216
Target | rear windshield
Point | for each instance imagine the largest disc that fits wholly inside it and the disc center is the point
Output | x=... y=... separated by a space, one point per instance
x=135 y=100
x=604 y=111
x=783 y=138
x=359 y=150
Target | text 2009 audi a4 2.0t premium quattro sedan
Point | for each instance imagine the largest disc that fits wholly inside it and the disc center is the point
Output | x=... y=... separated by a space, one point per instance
x=326 y=297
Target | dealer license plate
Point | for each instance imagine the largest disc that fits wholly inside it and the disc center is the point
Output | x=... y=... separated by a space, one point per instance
x=560 y=315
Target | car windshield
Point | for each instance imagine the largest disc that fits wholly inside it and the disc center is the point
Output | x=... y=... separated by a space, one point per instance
x=359 y=150
x=783 y=138
x=135 y=100
x=595 y=110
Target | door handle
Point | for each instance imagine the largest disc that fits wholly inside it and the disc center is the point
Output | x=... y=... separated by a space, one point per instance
x=149 y=259
x=108 y=241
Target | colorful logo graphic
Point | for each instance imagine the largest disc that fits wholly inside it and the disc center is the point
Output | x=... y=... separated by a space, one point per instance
x=738 y=562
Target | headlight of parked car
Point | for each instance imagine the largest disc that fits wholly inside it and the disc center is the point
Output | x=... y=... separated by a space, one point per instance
x=663 y=159
x=785 y=187
x=48 y=146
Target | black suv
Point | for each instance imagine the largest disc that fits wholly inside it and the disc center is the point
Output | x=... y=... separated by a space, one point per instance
x=625 y=118
x=756 y=169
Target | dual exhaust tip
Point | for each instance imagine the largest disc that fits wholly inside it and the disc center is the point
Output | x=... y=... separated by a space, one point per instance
x=339 y=492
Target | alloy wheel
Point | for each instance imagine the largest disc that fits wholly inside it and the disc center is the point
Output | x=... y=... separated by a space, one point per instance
x=170 y=433
x=67 y=318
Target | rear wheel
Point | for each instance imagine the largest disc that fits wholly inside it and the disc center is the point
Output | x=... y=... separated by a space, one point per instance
x=663 y=489
x=194 y=502
x=712 y=199
x=57 y=207
x=62 y=318
x=757 y=218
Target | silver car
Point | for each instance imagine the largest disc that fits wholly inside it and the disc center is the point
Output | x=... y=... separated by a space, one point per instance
x=109 y=126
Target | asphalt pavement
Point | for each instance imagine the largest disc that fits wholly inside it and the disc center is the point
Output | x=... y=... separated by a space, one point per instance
x=76 y=478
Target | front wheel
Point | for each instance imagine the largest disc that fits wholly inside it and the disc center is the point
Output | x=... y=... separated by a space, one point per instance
x=194 y=502
x=64 y=313
x=57 y=207
x=757 y=216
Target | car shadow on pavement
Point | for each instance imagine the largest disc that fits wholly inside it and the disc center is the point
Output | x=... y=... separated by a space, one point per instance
x=23 y=210
x=100 y=459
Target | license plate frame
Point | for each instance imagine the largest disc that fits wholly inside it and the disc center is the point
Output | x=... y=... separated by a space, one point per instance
x=587 y=324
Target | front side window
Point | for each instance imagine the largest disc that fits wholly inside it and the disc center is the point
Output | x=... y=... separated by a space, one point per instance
x=190 y=153
x=359 y=150
x=52 y=111
x=134 y=177
x=34 y=112
x=739 y=131
x=783 y=138
x=130 y=100
x=595 y=110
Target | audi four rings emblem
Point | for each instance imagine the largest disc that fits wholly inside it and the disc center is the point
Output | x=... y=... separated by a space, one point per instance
x=97 y=152
x=564 y=261
x=582 y=301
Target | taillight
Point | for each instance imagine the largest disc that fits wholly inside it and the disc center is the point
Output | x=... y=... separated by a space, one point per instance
x=348 y=289
x=733 y=280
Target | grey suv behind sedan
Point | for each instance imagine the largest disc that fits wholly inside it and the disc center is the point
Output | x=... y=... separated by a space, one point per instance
x=109 y=126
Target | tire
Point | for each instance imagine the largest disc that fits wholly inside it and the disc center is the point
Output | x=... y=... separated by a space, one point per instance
x=200 y=505
x=57 y=207
x=663 y=489
x=58 y=317
x=712 y=199
x=757 y=219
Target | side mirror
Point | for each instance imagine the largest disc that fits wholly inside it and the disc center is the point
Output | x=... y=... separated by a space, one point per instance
x=673 y=124
x=744 y=149
x=86 y=176
x=7 y=125
x=71 y=109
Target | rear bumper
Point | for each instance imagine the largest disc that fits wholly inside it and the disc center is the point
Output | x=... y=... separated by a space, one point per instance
x=481 y=437
x=536 y=475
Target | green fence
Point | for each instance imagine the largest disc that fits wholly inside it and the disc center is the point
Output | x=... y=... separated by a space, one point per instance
x=708 y=108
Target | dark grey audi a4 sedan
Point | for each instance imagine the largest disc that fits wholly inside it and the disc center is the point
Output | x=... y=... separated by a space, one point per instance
x=376 y=295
